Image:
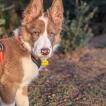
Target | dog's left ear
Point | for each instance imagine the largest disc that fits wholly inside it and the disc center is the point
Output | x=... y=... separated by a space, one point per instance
x=56 y=12
x=34 y=10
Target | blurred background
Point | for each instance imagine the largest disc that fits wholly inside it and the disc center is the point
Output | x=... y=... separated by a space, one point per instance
x=84 y=19
x=77 y=73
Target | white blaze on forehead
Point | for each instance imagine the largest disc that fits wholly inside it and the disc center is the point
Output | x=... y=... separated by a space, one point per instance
x=44 y=35
x=43 y=41
x=45 y=20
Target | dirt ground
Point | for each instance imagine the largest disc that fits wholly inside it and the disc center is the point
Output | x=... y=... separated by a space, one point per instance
x=72 y=83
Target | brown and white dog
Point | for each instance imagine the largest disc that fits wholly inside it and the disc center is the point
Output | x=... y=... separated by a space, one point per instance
x=38 y=34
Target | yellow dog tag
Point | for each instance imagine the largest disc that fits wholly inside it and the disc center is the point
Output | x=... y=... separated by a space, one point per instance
x=44 y=62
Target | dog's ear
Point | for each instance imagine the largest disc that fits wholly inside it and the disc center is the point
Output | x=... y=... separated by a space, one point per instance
x=56 y=12
x=34 y=10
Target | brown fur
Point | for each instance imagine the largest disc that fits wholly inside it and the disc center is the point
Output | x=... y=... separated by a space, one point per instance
x=11 y=71
x=55 y=29
x=30 y=32
x=33 y=11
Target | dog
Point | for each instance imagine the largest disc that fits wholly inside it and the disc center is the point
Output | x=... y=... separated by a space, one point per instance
x=21 y=55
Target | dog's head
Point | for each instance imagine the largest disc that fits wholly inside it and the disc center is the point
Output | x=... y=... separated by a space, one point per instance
x=40 y=30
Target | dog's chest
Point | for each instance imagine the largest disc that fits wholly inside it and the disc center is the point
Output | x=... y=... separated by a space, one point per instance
x=30 y=70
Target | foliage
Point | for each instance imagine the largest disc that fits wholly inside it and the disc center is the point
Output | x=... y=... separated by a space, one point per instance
x=68 y=83
x=2 y=21
x=76 y=33
x=8 y=19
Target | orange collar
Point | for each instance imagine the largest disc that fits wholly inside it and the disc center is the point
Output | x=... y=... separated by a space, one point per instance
x=1 y=52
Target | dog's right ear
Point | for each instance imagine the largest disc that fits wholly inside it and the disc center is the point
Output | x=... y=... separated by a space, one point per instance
x=34 y=9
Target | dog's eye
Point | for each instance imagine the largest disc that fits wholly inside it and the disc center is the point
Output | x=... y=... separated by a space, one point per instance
x=52 y=36
x=35 y=35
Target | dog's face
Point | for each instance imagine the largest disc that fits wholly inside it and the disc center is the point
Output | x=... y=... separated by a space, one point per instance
x=41 y=31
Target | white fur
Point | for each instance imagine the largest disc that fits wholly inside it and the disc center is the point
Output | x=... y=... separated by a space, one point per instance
x=21 y=100
x=43 y=41
x=56 y=46
x=27 y=45
x=31 y=71
x=16 y=32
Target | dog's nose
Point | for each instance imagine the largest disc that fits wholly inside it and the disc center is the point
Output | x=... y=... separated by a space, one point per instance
x=45 y=51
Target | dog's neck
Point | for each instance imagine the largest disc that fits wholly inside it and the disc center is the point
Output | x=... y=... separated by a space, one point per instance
x=20 y=42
